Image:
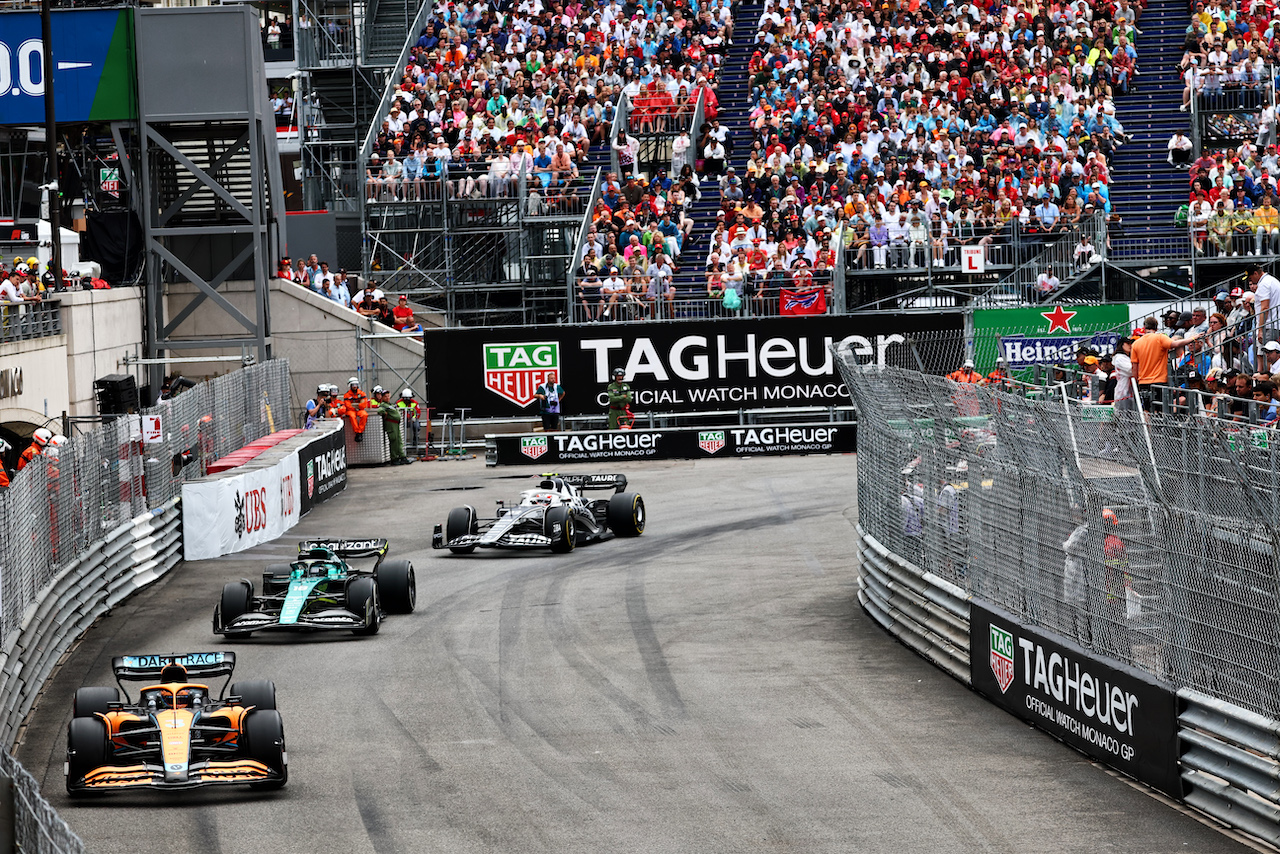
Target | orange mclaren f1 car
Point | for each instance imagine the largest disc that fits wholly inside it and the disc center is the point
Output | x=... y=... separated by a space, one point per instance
x=177 y=734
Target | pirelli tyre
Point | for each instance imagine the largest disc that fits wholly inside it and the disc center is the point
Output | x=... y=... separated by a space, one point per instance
x=397 y=587
x=259 y=693
x=558 y=526
x=625 y=514
x=461 y=521
x=93 y=701
x=362 y=598
x=86 y=750
x=264 y=737
x=276 y=572
x=237 y=599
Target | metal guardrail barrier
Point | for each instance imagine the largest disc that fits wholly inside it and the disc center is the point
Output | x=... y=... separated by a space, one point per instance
x=28 y=321
x=1230 y=763
x=927 y=613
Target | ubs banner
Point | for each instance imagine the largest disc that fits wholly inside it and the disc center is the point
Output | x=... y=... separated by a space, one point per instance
x=682 y=443
x=672 y=367
x=1113 y=713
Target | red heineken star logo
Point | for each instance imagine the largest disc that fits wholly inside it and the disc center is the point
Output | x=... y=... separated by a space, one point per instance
x=1058 y=319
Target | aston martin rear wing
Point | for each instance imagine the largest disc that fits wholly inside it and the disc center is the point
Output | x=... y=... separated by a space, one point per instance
x=616 y=482
x=353 y=548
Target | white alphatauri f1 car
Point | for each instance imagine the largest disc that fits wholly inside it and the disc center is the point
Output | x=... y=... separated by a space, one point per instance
x=555 y=515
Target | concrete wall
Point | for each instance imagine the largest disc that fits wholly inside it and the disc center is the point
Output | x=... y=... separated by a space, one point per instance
x=101 y=327
x=43 y=363
x=315 y=334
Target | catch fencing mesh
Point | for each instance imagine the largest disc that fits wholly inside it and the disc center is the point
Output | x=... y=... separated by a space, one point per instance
x=37 y=827
x=56 y=508
x=1147 y=538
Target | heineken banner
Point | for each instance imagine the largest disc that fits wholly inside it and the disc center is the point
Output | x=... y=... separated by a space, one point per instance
x=1115 y=714
x=1044 y=335
x=679 y=443
x=671 y=366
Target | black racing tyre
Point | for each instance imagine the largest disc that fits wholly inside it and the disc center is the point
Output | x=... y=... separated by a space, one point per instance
x=264 y=741
x=625 y=514
x=86 y=749
x=237 y=599
x=397 y=587
x=462 y=520
x=92 y=701
x=362 y=598
x=558 y=525
x=259 y=693
x=277 y=570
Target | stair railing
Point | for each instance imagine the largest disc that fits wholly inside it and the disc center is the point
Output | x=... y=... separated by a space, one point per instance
x=621 y=121
x=1060 y=255
x=580 y=243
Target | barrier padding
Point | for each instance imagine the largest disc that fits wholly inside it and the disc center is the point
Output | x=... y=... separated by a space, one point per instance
x=250 y=451
x=126 y=559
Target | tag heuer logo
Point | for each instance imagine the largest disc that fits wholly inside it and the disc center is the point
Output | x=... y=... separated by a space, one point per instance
x=1002 y=656
x=711 y=440
x=533 y=446
x=311 y=477
x=514 y=371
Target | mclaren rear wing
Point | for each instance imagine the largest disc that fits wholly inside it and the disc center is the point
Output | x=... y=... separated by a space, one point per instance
x=199 y=666
x=616 y=482
x=353 y=548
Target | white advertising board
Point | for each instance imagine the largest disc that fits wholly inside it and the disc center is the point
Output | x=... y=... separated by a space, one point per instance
x=235 y=513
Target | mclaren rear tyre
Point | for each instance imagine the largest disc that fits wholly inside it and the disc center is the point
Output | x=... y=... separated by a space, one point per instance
x=559 y=528
x=259 y=693
x=237 y=599
x=86 y=750
x=397 y=587
x=264 y=735
x=362 y=598
x=462 y=521
x=92 y=701
x=625 y=514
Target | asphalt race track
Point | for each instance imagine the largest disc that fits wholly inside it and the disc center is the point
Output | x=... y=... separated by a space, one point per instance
x=710 y=687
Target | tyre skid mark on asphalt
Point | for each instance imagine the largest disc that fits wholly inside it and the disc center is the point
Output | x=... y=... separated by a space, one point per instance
x=789 y=519
x=955 y=812
x=650 y=648
x=514 y=718
x=563 y=637
x=376 y=825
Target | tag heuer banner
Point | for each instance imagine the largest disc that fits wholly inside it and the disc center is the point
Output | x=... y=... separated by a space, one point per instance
x=322 y=468
x=671 y=366
x=1115 y=714
x=1045 y=335
x=678 y=443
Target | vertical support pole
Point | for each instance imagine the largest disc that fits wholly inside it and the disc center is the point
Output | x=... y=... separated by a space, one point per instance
x=51 y=145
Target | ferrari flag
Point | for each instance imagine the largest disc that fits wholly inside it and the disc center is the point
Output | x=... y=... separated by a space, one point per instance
x=812 y=301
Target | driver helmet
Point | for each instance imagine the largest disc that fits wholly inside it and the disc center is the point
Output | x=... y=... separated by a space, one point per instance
x=42 y=436
x=406 y=394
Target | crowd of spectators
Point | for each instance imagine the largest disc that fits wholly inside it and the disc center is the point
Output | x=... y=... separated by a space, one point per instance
x=493 y=91
x=1228 y=53
x=914 y=131
x=369 y=300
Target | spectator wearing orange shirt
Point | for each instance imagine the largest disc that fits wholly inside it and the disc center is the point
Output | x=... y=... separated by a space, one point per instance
x=1150 y=358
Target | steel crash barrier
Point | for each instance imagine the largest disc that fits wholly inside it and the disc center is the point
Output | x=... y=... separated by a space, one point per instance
x=925 y=612
x=1063 y=566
